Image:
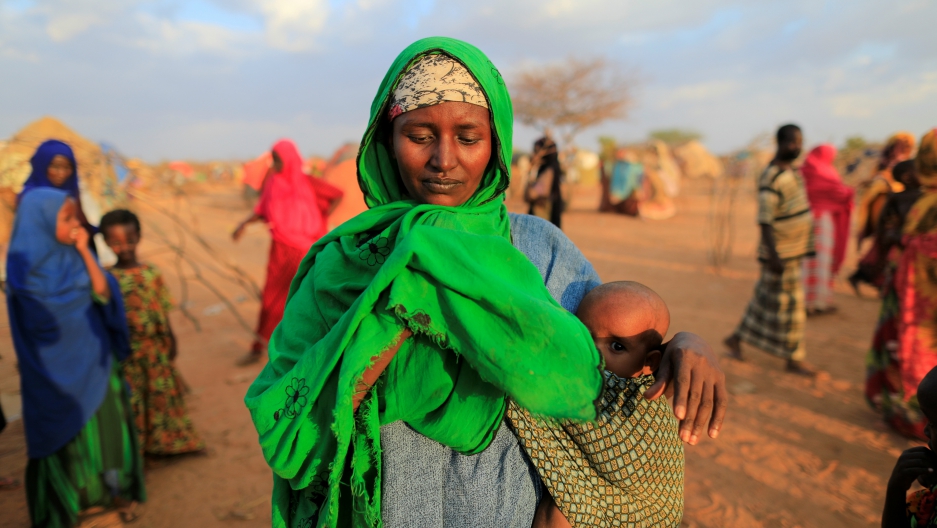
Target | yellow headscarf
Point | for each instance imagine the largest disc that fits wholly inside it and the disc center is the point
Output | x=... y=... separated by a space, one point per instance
x=926 y=161
x=925 y=165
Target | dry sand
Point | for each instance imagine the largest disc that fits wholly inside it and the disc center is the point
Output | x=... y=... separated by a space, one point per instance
x=794 y=452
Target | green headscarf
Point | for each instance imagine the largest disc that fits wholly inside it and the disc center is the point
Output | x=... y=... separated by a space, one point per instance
x=484 y=325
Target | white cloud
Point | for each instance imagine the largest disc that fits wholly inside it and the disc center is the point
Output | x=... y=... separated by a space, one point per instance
x=699 y=92
x=66 y=19
x=63 y=27
x=907 y=91
x=163 y=35
x=292 y=25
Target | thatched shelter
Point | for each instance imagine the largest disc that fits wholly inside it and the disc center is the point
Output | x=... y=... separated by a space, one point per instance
x=696 y=161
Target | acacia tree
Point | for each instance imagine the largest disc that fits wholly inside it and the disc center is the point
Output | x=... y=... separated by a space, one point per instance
x=571 y=96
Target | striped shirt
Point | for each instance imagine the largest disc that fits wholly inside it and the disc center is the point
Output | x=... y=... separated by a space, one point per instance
x=782 y=204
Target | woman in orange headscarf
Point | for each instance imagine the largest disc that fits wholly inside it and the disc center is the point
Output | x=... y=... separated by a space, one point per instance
x=916 y=287
x=296 y=209
x=898 y=148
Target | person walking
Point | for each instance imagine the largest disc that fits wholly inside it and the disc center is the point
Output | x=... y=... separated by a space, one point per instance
x=545 y=193
x=775 y=317
x=831 y=202
x=296 y=210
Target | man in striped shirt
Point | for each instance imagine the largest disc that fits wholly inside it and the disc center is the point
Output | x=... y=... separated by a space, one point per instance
x=775 y=317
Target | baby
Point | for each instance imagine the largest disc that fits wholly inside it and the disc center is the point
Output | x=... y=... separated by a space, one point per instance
x=626 y=469
x=916 y=464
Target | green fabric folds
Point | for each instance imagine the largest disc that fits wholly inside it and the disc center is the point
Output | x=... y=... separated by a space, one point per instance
x=104 y=459
x=484 y=325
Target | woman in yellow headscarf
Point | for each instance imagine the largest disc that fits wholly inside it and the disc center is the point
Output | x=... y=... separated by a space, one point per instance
x=898 y=148
x=917 y=294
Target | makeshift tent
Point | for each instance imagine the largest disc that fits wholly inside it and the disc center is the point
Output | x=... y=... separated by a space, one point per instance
x=345 y=176
x=314 y=166
x=182 y=168
x=256 y=169
x=116 y=161
x=345 y=152
x=696 y=161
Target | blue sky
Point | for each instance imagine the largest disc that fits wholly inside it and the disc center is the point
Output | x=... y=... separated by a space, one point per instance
x=210 y=79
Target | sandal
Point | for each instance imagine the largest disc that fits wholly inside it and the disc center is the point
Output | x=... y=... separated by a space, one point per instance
x=800 y=368
x=734 y=344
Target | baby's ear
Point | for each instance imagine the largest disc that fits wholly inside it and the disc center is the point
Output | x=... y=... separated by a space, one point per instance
x=652 y=361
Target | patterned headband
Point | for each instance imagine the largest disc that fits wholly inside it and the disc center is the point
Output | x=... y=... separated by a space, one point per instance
x=434 y=79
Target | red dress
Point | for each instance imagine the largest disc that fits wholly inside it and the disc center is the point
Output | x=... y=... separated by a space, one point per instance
x=295 y=207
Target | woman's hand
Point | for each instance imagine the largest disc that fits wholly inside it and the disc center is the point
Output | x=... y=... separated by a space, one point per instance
x=700 y=395
x=911 y=465
x=238 y=232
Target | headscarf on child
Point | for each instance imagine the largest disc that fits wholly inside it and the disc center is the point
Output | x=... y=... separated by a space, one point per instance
x=64 y=340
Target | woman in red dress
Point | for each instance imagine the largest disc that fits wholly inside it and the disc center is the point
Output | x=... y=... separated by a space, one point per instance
x=295 y=207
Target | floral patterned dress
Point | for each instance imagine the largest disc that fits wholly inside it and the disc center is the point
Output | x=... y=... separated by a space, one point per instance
x=921 y=508
x=156 y=389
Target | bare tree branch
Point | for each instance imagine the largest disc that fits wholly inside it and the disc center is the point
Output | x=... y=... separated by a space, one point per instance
x=571 y=96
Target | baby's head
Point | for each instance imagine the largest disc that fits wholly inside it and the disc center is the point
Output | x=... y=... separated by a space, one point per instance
x=927 y=400
x=628 y=322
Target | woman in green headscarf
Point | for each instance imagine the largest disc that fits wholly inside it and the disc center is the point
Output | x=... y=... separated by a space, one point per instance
x=421 y=311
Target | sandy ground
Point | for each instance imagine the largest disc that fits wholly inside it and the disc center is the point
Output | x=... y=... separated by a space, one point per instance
x=794 y=452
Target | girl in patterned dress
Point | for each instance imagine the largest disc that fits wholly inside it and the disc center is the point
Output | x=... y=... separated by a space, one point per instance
x=156 y=388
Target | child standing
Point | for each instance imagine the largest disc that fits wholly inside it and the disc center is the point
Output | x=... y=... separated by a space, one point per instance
x=626 y=469
x=69 y=327
x=916 y=510
x=156 y=392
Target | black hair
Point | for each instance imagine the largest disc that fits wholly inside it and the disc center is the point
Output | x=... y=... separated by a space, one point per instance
x=119 y=217
x=786 y=133
x=902 y=168
x=927 y=392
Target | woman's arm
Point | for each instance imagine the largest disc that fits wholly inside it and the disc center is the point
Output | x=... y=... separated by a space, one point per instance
x=370 y=376
x=875 y=209
x=239 y=230
x=699 y=385
x=689 y=366
x=541 y=187
x=98 y=280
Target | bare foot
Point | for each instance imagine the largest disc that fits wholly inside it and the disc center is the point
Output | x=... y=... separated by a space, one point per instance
x=734 y=344
x=821 y=311
x=127 y=510
x=800 y=368
x=8 y=484
x=854 y=282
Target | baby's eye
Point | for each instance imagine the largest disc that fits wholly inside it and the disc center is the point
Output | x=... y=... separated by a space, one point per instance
x=617 y=347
